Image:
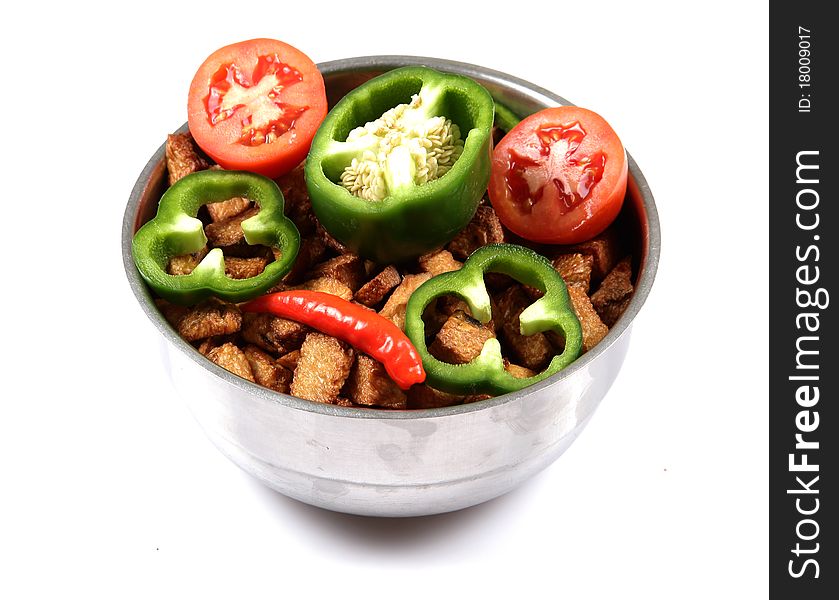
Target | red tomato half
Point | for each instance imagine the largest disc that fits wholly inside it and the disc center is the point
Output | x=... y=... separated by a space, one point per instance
x=559 y=176
x=256 y=105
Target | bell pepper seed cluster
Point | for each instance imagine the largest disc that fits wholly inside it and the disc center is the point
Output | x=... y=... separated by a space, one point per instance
x=403 y=147
x=339 y=281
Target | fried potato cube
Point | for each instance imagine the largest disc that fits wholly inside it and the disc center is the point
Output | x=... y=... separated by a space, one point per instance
x=394 y=308
x=209 y=343
x=271 y=333
x=327 y=239
x=593 y=328
x=182 y=157
x=370 y=385
x=266 y=371
x=347 y=268
x=322 y=369
x=328 y=286
x=173 y=313
x=439 y=261
x=605 y=249
x=243 y=268
x=498 y=282
x=517 y=370
x=460 y=340
x=375 y=290
x=242 y=249
x=449 y=305
x=575 y=269
x=423 y=396
x=614 y=293
x=230 y=357
x=438 y=312
x=298 y=207
x=289 y=360
x=229 y=232
x=433 y=320
x=209 y=318
x=185 y=263
x=531 y=351
x=484 y=228
x=311 y=251
x=227 y=209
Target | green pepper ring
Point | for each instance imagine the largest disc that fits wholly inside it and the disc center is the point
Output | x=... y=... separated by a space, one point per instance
x=486 y=373
x=175 y=231
x=403 y=225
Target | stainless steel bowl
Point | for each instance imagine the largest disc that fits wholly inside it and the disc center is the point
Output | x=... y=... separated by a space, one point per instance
x=398 y=463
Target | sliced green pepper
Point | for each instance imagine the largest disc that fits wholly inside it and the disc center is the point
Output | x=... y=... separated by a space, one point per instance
x=408 y=214
x=176 y=231
x=486 y=374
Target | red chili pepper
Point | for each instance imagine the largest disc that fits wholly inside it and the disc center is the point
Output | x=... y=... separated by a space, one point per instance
x=364 y=329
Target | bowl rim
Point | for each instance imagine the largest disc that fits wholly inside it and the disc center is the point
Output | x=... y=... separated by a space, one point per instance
x=649 y=261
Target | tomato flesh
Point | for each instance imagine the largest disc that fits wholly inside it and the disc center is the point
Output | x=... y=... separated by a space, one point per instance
x=265 y=117
x=256 y=105
x=557 y=172
x=559 y=176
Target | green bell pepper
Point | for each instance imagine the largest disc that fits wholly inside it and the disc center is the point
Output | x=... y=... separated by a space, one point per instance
x=409 y=212
x=505 y=118
x=176 y=231
x=486 y=374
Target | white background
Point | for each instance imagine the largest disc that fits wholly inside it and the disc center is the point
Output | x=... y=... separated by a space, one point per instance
x=111 y=490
